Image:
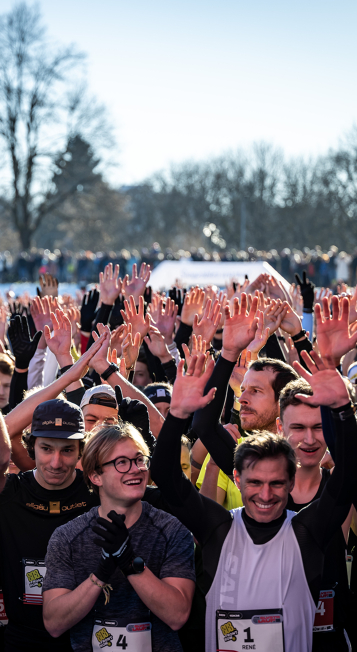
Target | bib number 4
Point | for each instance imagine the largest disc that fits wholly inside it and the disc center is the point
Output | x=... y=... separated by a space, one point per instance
x=117 y=635
x=324 y=612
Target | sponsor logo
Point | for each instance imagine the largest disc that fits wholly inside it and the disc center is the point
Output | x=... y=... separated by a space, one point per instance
x=39 y=507
x=229 y=632
x=58 y=422
x=104 y=638
x=34 y=578
x=67 y=508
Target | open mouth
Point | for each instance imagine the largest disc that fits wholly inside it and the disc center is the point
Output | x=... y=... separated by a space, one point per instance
x=263 y=505
x=309 y=451
x=133 y=482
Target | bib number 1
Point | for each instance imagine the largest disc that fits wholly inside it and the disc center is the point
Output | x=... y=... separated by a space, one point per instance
x=260 y=630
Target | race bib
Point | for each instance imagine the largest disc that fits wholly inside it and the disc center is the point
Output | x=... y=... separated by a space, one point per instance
x=260 y=629
x=34 y=574
x=3 y=617
x=324 y=612
x=117 y=634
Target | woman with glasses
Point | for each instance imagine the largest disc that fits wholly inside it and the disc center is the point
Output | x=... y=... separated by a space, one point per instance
x=123 y=575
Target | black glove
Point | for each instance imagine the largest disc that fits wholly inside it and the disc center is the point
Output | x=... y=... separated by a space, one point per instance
x=178 y=296
x=116 y=318
x=23 y=346
x=307 y=291
x=115 y=543
x=135 y=412
x=17 y=309
x=148 y=294
x=88 y=308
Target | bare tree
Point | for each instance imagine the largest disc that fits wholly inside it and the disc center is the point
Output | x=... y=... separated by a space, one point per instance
x=42 y=104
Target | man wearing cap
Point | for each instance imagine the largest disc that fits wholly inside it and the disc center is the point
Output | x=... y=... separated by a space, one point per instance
x=160 y=395
x=32 y=505
x=99 y=406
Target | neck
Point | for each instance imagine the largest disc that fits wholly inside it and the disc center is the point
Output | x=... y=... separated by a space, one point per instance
x=307 y=478
x=131 y=512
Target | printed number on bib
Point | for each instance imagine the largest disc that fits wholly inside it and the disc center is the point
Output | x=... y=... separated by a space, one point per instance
x=260 y=629
x=3 y=616
x=116 y=634
x=34 y=573
x=324 y=612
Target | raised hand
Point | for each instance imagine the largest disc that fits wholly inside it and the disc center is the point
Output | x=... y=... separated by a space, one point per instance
x=239 y=329
x=209 y=322
x=3 y=323
x=88 y=308
x=198 y=345
x=137 y=284
x=239 y=371
x=260 y=338
x=23 y=345
x=326 y=383
x=178 y=296
x=187 y=395
x=117 y=338
x=131 y=348
x=110 y=285
x=193 y=305
x=60 y=341
x=40 y=311
x=48 y=286
x=139 y=322
x=273 y=315
x=323 y=293
x=307 y=291
x=275 y=290
x=291 y=322
x=166 y=318
x=333 y=336
x=99 y=362
x=156 y=344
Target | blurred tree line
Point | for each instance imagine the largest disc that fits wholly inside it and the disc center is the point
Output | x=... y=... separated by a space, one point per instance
x=54 y=145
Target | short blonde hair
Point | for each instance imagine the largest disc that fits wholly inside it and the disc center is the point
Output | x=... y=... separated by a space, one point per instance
x=102 y=442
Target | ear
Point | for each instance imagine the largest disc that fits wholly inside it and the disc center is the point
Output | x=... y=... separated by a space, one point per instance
x=96 y=479
x=236 y=476
x=279 y=426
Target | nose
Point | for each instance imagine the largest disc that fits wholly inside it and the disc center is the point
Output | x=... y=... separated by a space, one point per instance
x=309 y=437
x=243 y=400
x=266 y=493
x=56 y=460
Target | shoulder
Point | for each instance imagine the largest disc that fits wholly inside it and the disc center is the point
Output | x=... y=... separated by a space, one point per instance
x=13 y=484
x=166 y=523
x=74 y=528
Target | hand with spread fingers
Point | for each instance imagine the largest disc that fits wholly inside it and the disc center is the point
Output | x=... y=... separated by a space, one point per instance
x=110 y=285
x=209 y=321
x=260 y=338
x=239 y=328
x=60 y=341
x=333 y=336
x=41 y=313
x=273 y=315
x=193 y=305
x=156 y=344
x=23 y=346
x=327 y=384
x=130 y=349
x=48 y=286
x=140 y=323
x=198 y=346
x=137 y=284
x=99 y=362
x=165 y=318
x=187 y=395
x=307 y=291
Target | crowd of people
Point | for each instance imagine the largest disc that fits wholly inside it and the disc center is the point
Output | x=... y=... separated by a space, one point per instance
x=177 y=469
x=324 y=268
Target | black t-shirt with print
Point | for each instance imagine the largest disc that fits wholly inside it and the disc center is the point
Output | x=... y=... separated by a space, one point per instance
x=29 y=514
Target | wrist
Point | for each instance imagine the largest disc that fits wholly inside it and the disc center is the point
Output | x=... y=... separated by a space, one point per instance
x=165 y=358
x=178 y=412
x=64 y=360
x=100 y=366
x=230 y=355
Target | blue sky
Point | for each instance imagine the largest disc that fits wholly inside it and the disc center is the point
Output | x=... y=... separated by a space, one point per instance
x=190 y=79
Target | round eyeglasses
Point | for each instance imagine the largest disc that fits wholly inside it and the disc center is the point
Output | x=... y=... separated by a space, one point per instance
x=123 y=464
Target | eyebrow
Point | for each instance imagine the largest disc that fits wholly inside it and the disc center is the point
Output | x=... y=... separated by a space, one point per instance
x=252 y=387
x=298 y=423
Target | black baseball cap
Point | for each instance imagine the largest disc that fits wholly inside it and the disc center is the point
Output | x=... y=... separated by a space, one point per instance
x=157 y=393
x=58 y=419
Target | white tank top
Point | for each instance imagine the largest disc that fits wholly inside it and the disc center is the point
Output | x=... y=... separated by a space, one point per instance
x=270 y=576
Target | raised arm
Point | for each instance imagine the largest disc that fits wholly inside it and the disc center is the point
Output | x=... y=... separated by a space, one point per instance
x=21 y=416
x=5 y=451
x=325 y=516
x=200 y=514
